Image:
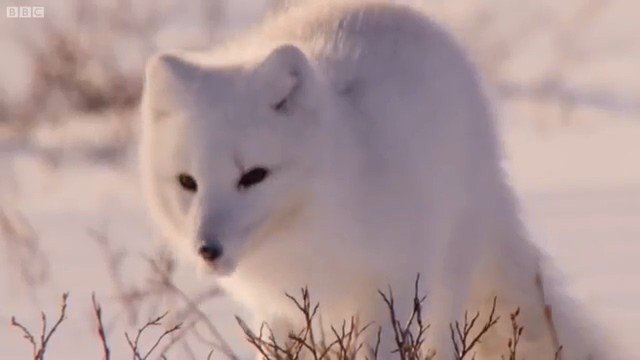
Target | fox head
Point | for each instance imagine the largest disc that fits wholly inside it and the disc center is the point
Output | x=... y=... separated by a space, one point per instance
x=227 y=152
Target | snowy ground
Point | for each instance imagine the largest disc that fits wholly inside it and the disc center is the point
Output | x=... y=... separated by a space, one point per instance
x=580 y=189
x=579 y=184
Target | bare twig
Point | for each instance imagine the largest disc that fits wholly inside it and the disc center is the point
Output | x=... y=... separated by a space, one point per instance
x=180 y=335
x=192 y=306
x=159 y=285
x=303 y=343
x=40 y=348
x=26 y=334
x=516 y=334
x=548 y=314
x=135 y=343
x=309 y=315
x=375 y=350
x=409 y=339
x=256 y=341
x=346 y=339
x=462 y=338
x=106 y=353
x=209 y=356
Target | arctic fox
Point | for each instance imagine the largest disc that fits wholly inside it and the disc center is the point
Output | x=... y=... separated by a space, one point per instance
x=348 y=147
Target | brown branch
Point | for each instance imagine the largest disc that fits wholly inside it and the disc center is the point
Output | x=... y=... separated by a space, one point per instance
x=344 y=346
x=346 y=339
x=193 y=306
x=309 y=315
x=409 y=339
x=516 y=334
x=548 y=314
x=175 y=339
x=26 y=334
x=135 y=343
x=461 y=338
x=256 y=340
x=209 y=356
x=45 y=336
x=165 y=333
x=101 y=333
x=376 y=348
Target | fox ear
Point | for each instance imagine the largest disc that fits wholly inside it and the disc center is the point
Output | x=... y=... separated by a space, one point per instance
x=166 y=78
x=167 y=68
x=285 y=78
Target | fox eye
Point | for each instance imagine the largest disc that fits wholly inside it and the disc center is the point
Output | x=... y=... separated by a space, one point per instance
x=252 y=177
x=187 y=182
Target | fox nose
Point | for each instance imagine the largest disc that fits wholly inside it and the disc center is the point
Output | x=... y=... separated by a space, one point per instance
x=210 y=251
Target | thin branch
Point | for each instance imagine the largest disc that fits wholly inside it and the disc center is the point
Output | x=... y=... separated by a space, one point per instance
x=45 y=336
x=516 y=334
x=106 y=353
x=135 y=343
x=409 y=339
x=461 y=338
x=26 y=334
x=192 y=306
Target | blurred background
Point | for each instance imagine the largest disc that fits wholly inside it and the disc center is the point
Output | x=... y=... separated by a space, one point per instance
x=565 y=76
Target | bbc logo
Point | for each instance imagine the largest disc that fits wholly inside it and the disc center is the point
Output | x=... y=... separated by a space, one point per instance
x=25 y=12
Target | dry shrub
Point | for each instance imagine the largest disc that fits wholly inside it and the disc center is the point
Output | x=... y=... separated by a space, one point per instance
x=346 y=342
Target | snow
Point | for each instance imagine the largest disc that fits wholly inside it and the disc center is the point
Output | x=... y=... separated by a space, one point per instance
x=580 y=190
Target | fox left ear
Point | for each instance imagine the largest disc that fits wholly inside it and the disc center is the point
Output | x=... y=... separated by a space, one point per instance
x=166 y=78
x=285 y=77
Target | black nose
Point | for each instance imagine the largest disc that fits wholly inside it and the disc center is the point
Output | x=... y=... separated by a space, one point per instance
x=210 y=252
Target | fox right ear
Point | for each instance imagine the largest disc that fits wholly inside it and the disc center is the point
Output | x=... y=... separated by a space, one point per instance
x=287 y=75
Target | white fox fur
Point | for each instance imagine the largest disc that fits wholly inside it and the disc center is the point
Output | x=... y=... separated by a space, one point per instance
x=383 y=163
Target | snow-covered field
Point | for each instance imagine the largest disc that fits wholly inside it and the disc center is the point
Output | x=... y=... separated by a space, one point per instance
x=580 y=188
x=578 y=180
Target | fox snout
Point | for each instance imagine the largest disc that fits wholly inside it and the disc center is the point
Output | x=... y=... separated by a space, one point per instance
x=210 y=248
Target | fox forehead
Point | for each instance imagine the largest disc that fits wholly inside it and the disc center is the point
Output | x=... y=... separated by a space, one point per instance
x=232 y=139
x=240 y=148
x=230 y=104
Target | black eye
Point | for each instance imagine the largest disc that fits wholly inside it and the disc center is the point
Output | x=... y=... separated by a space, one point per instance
x=187 y=182
x=252 y=177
